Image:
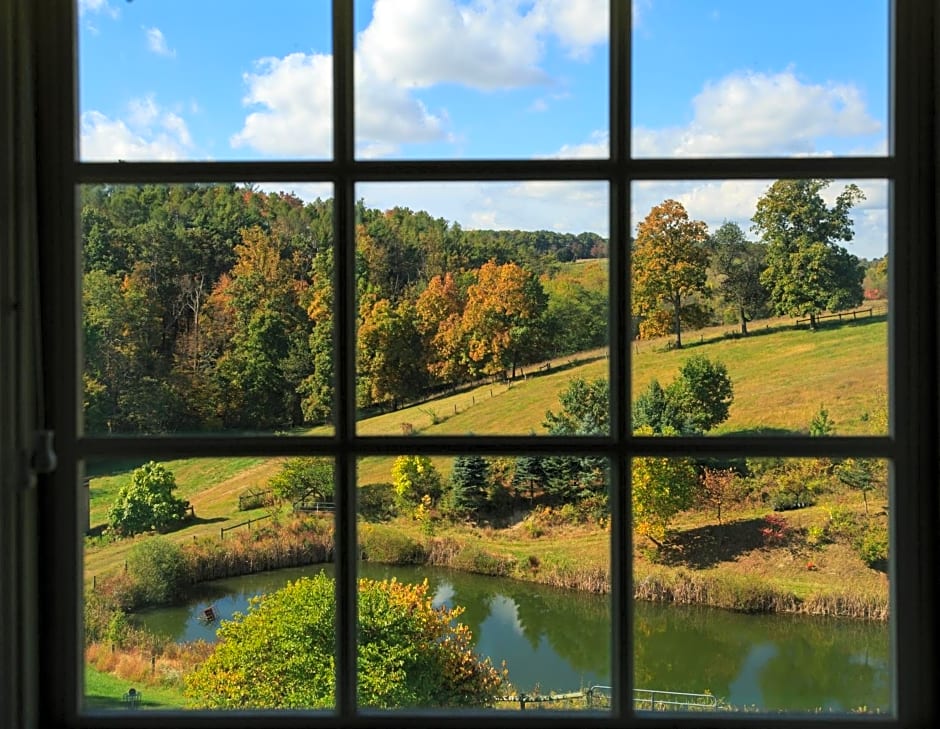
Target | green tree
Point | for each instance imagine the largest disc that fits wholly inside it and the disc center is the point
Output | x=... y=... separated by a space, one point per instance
x=389 y=353
x=281 y=654
x=660 y=488
x=702 y=393
x=670 y=258
x=469 y=480
x=158 y=568
x=301 y=478
x=529 y=475
x=739 y=263
x=859 y=473
x=415 y=477
x=808 y=272
x=585 y=411
x=147 y=502
x=656 y=410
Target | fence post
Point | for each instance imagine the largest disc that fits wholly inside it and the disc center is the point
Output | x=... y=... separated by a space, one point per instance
x=221 y=532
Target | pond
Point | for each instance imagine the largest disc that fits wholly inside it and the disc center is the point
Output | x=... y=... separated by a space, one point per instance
x=559 y=640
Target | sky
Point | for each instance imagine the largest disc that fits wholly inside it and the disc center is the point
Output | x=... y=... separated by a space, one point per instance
x=506 y=79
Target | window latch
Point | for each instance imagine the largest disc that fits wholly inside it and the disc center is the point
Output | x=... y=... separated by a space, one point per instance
x=41 y=458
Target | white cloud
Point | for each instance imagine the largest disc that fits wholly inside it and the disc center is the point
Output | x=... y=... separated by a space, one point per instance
x=296 y=95
x=420 y=43
x=156 y=42
x=751 y=113
x=148 y=132
x=96 y=6
x=578 y=24
x=598 y=147
x=412 y=45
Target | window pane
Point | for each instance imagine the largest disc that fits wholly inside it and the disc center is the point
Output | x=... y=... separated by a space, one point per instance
x=732 y=79
x=519 y=547
x=169 y=584
x=206 y=308
x=481 y=323
x=205 y=81
x=783 y=313
x=761 y=585
x=453 y=79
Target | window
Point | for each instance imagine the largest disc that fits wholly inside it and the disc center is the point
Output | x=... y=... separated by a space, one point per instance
x=351 y=156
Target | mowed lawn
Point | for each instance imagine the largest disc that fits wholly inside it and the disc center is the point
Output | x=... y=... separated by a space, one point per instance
x=782 y=377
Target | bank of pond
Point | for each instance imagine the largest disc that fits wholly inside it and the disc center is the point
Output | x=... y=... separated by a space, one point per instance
x=555 y=640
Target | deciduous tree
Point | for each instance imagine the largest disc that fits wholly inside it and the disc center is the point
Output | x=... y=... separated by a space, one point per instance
x=739 y=263
x=808 y=272
x=669 y=261
x=282 y=653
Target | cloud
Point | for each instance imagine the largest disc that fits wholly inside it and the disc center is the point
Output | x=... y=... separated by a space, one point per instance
x=748 y=113
x=295 y=93
x=96 y=6
x=579 y=25
x=148 y=132
x=157 y=43
x=485 y=45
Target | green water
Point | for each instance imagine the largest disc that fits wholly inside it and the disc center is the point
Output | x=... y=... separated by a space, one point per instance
x=559 y=640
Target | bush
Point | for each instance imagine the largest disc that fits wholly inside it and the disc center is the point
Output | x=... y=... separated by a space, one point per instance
x=282 y=653
x=147 y=502
x=377 y=502
x=872 y=546
x=784 y=499
x=390 y=547
x=158 y=569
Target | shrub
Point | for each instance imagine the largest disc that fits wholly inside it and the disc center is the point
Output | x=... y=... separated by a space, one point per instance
x=390 y=547
x=377 y=502
x=872 y=546
x=784 y=499
x=281 y=654
x=414 y=477
x=776 y=531
x=158 y=568
x=147 y=502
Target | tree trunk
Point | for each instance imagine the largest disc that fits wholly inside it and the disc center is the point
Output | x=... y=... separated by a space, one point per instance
x=743 y=322
x=677 y=306
x=812 y=321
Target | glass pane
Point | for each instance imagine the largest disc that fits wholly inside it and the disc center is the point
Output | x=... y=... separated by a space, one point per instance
x=781 y=294
x=519 y=548
x=733 y=79
x=481 y=305
x=482 y=80
x=761 y=585
x=206 y=308
x=176 y=80
x=174 y=556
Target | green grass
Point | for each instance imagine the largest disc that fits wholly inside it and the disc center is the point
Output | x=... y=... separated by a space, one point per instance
x=104 y=691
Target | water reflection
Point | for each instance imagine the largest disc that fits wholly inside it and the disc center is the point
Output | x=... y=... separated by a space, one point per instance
x=560 y=640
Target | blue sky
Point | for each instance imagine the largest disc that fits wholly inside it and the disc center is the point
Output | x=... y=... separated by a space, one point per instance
x=438 y=79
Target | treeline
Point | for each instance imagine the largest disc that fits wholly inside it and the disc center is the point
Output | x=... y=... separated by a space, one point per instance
x=208 y=307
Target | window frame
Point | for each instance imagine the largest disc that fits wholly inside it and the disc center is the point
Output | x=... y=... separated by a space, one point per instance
x=910 y=167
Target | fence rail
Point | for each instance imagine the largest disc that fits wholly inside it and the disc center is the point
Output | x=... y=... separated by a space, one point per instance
x=870 y=311
x=643 y=699
x=247 y=523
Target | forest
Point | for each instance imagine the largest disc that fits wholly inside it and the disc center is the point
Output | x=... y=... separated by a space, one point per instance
x=209 y=307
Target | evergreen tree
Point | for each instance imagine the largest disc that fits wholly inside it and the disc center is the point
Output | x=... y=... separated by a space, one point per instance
x=468 y=481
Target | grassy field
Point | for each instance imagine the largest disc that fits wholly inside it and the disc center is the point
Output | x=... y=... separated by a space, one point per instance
x=781 y=376
x=104 y=691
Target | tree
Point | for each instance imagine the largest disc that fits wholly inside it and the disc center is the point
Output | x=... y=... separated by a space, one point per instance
x=702 y=393
x=529 y=475
x=695 y=402
x=282 y=653
x=739 y=263
x=503 y=317
x=860 y=474
x=158 y=569
x=669 y=261
x=468 y=484
x=585 y=411
x=660 y=487
x=415 y=477
x=147 y=502
x=301 y=478
x=808 y=272
x=389 y=362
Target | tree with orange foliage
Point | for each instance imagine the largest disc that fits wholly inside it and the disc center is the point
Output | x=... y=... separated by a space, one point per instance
x=670 y=257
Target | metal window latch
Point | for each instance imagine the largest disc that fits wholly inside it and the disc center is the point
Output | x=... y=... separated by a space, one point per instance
x=41 y=458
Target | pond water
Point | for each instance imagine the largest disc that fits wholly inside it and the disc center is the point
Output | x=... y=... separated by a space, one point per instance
x=559 y=640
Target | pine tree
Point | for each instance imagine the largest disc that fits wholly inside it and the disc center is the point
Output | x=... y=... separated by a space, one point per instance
x=468 y=482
